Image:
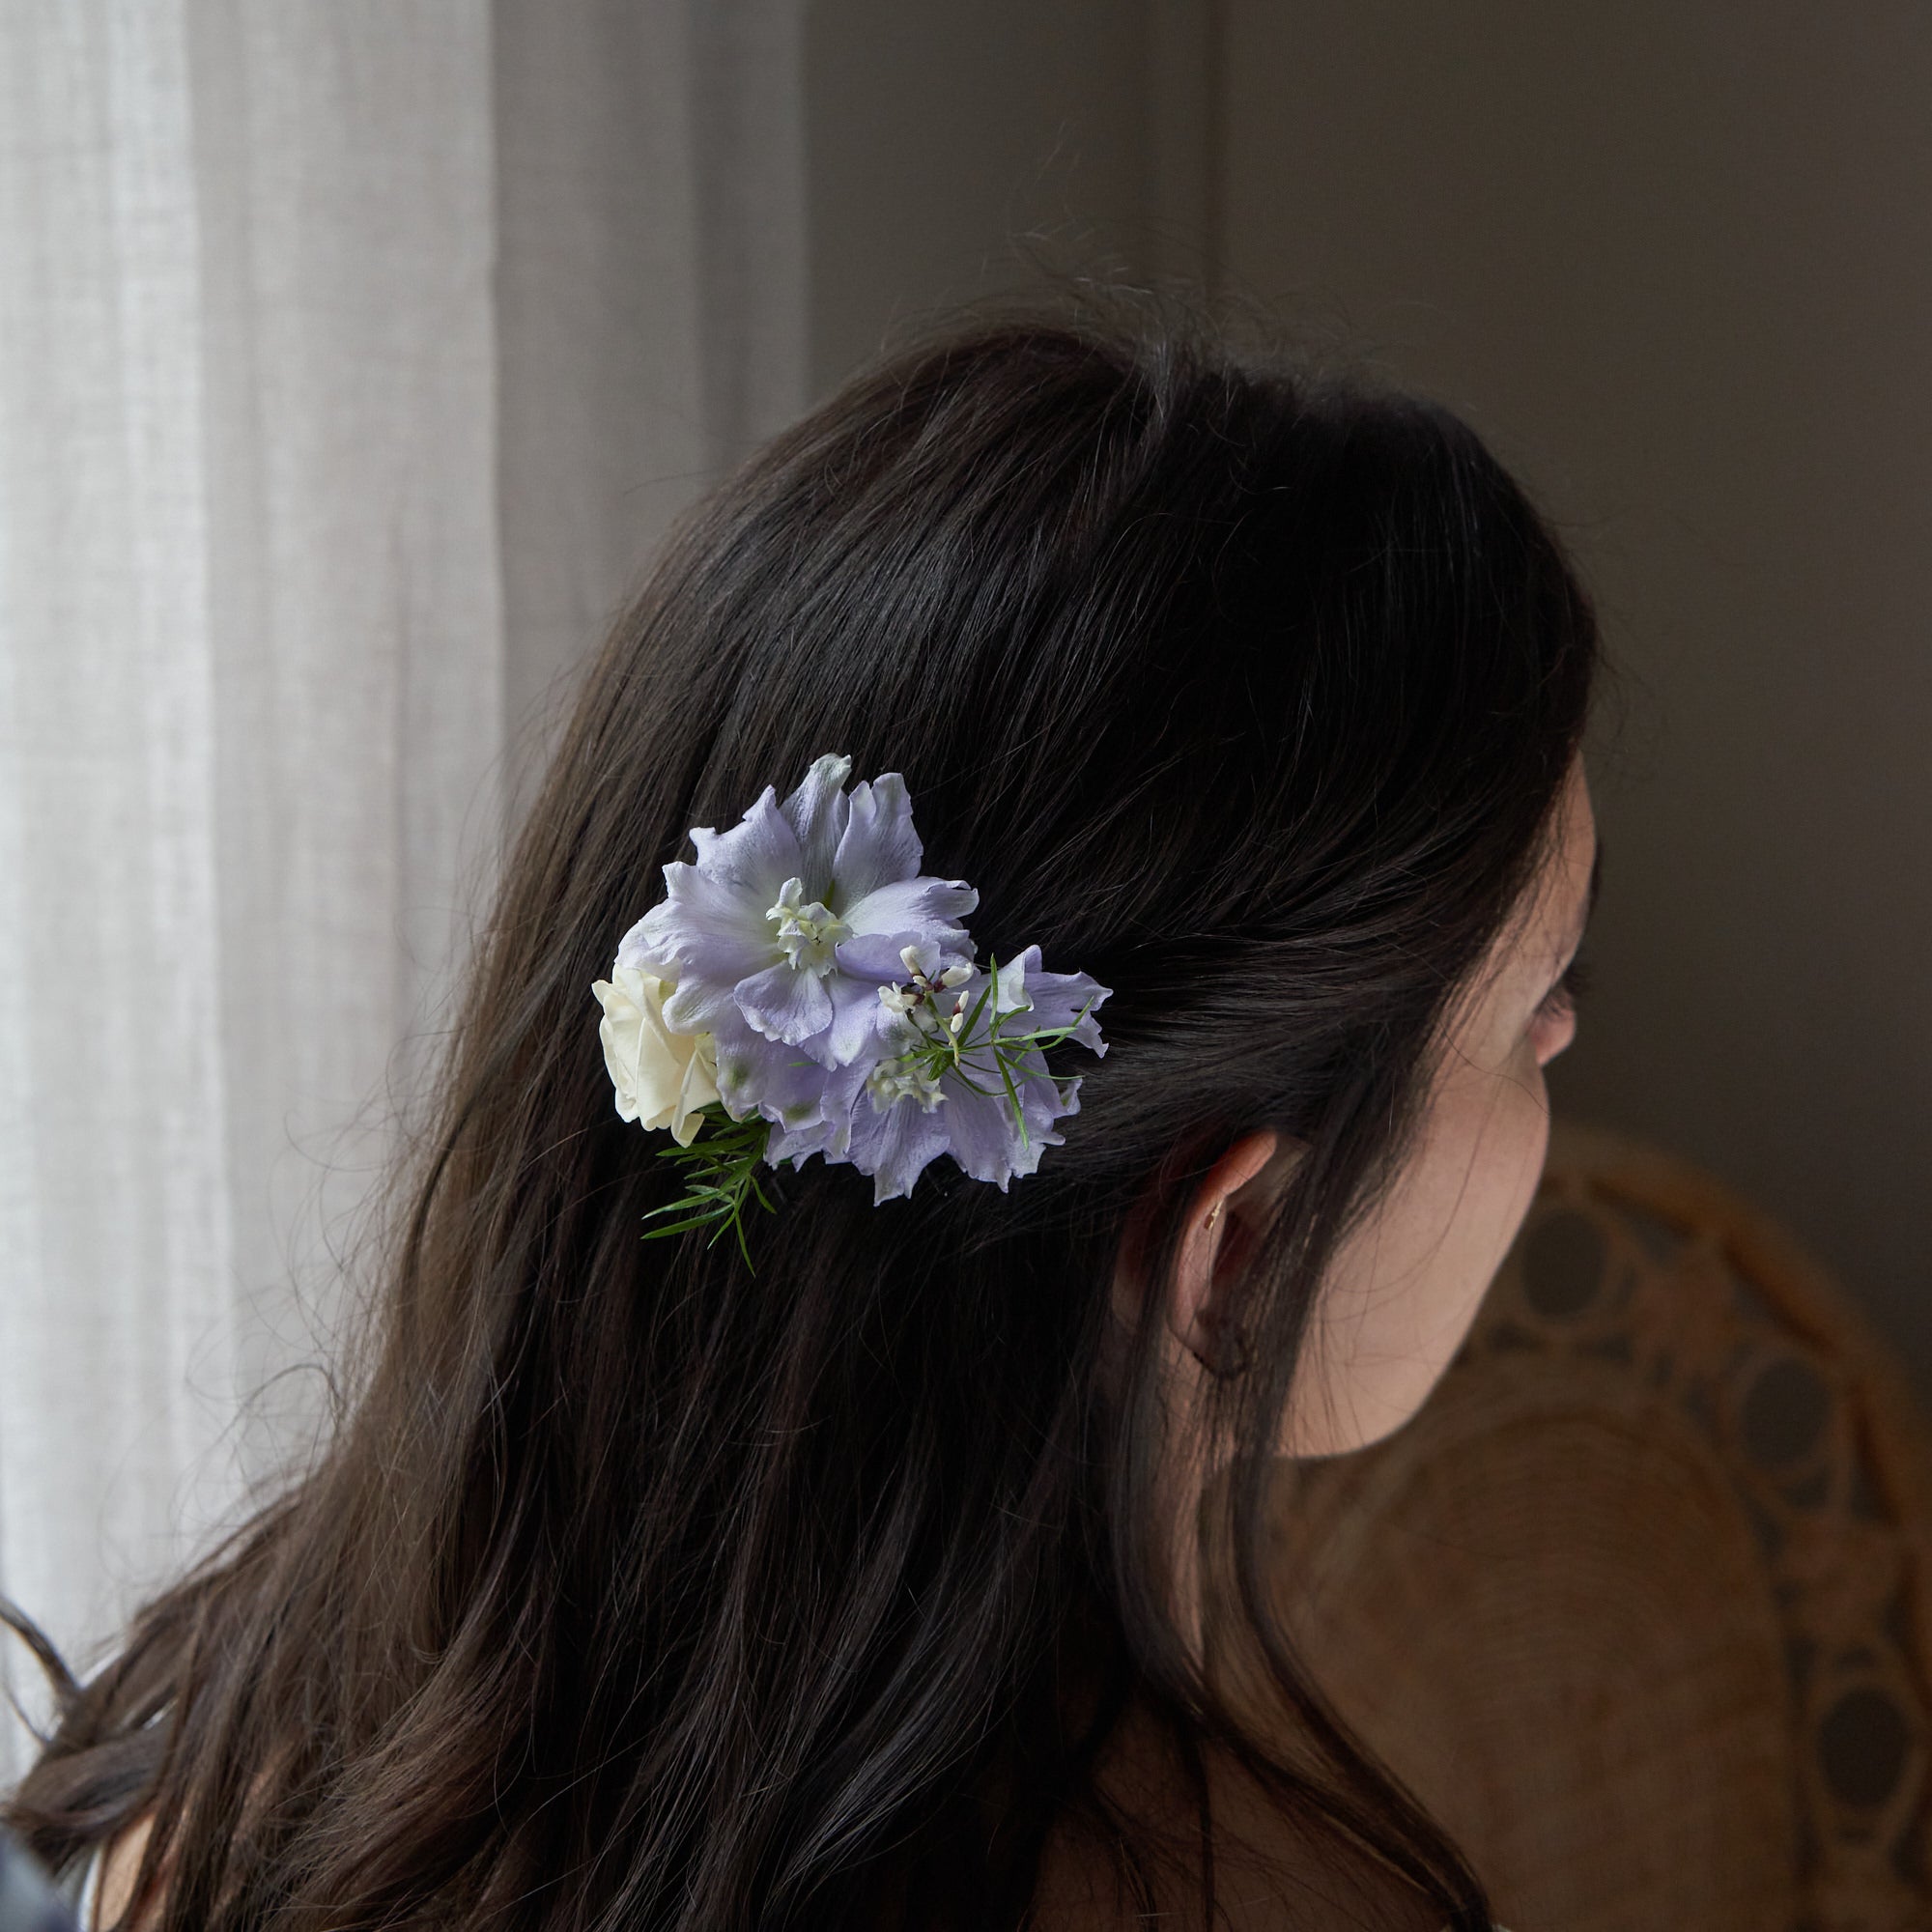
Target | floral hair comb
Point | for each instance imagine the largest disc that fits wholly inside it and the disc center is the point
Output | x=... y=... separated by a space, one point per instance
x=805 y=988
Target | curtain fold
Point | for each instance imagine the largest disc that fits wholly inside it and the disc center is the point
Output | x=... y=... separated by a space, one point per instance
x=652 y=292
x=348 y=364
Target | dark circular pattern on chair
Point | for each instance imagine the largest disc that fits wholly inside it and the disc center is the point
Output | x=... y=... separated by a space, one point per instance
x=1783 y=1414
x=1864 y=1747
x=1562 y=1265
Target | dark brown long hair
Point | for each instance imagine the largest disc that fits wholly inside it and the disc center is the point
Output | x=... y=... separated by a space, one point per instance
x=641 y=1588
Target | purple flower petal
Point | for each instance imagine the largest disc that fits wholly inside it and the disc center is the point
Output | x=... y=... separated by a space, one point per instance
x=879 y=846
x=878 y=957
x=755 y=1076
x=784 y=1004
x=855 y=1016
x=754 y=857
x=895 y=1147
x=1054 y=1000
x=828 y=1130
x=817 y=812
x=875 y=957
x=925 y=905
x=702 y=927
x=702 y=1005
x=984 y=1137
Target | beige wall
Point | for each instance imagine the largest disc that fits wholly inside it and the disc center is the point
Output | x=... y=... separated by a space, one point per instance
x=1676 y=260
x=959 y=151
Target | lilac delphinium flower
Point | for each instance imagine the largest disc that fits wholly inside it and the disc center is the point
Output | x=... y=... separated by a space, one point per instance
x=778 y=939
x=969 y=1046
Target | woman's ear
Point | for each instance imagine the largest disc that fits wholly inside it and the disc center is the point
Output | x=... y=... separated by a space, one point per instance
x=1226 y=1222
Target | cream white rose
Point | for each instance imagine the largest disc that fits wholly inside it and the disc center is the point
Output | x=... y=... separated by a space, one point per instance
x=662 y=1078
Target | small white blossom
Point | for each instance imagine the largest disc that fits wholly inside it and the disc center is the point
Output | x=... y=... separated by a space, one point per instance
x=894 y=1080
x=808 y=932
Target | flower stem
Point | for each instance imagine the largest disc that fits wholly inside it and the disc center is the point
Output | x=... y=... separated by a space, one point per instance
x=721 y=1178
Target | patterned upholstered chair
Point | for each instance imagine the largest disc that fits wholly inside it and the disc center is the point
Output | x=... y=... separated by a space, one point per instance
x=1641 y=1603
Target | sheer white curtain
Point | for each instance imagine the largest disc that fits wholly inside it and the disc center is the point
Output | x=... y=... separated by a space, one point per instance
x=351 y=351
